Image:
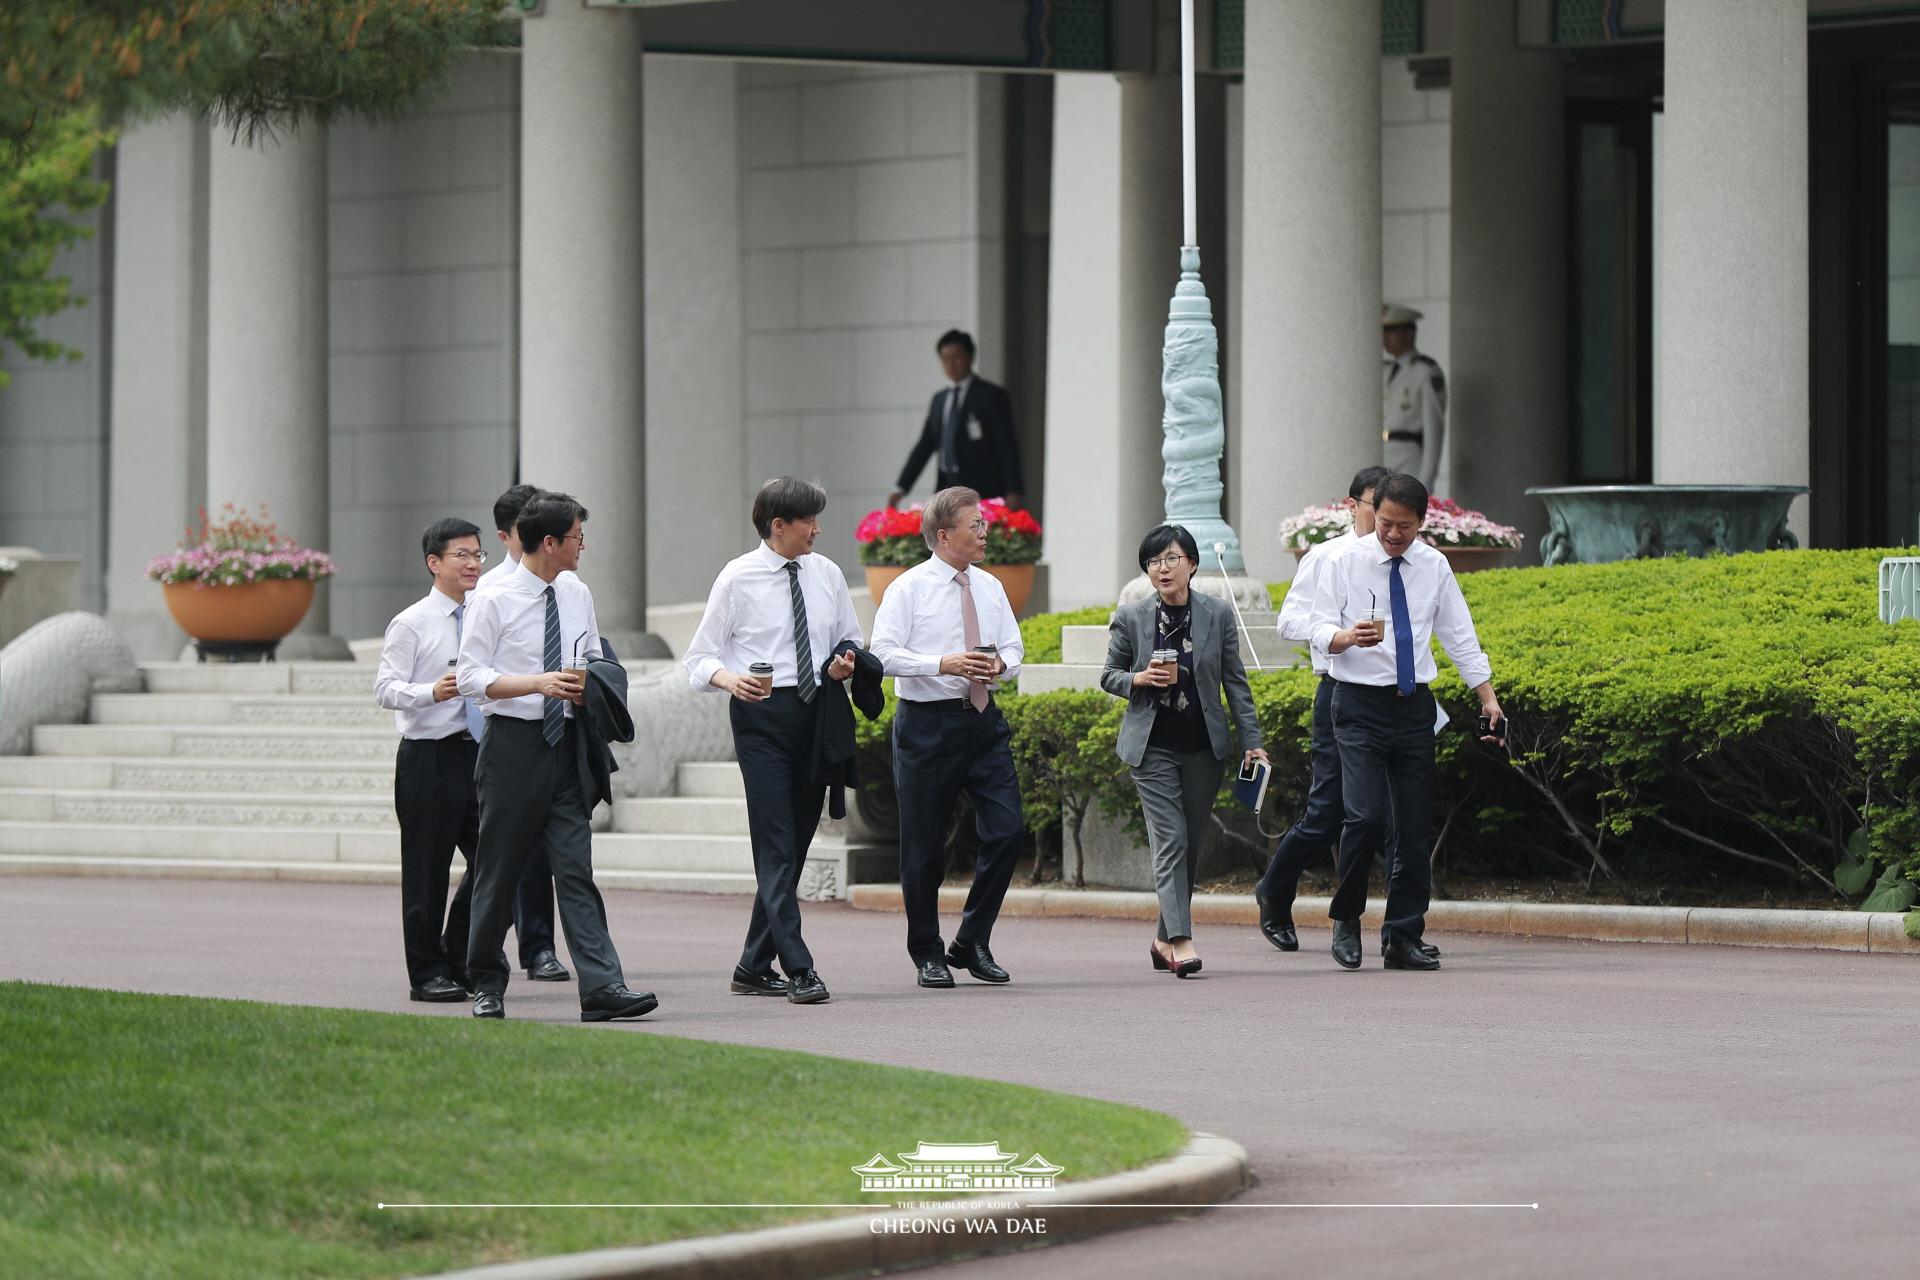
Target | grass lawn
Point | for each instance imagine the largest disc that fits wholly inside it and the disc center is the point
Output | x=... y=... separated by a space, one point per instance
x=166 y=1136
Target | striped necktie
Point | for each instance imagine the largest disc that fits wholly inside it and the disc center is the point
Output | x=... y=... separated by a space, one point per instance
x=553 y=716
x=802 y=648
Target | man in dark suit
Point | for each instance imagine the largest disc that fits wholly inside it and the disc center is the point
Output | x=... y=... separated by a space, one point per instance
x=969 y=430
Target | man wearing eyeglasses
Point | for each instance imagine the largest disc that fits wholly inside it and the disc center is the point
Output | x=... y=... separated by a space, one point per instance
x=521 y=658
x=947 y=634
x=433 y=788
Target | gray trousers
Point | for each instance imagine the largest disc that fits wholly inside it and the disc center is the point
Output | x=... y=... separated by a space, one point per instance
x=1176 y=798
x=530 y=799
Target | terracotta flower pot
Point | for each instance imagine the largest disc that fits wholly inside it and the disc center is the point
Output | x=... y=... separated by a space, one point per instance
x=252 y=612
x=1018 y=581
x=881 y=576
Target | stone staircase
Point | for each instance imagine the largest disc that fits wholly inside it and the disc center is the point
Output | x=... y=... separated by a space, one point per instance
x=285 y=771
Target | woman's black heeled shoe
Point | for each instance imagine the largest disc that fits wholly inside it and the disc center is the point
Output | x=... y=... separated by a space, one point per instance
x=1159 y=961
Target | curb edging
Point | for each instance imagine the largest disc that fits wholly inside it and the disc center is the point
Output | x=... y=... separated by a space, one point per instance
x=1866 y=931
x=1207 y=1170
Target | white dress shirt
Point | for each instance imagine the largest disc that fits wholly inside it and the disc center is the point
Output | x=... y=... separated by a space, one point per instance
x=920 y=622
x=494 y=576
x=506 y=635
x=749 y=618
x=1361 y=579
x=421 y=645
x=1296 y=611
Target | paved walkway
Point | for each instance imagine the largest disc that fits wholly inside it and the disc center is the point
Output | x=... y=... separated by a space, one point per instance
x=1674 y=1111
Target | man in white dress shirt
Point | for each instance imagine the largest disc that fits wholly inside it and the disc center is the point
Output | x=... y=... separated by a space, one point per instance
x=783 y=605
x=932 y=635
x=433 y=793
x=533 y=900
x=1317 y=831
x=518 y=638
x=1376 y=612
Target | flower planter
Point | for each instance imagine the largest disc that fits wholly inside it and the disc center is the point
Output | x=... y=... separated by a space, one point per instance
x=1018 y=581
x=880 y=577
x=248 y=613
x=1468 y=559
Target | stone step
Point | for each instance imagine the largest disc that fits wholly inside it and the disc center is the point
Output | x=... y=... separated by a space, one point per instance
x=1048 y=676
x=682 y=815
x=182 y=777
x=260 y=677
x=303 y=710
x=710 y=780
x=1082 y=645
x=255 y=742
x=368 y=811
x=331 y=872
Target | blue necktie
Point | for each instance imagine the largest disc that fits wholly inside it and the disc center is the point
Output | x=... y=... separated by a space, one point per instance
x=1402 y=631
x=476 y=719
x=554 y=717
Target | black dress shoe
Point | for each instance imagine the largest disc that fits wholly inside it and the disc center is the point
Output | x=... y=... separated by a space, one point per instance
x=1346 y=943
x=1277 y=931
x=748 y=983
x=976 y=960
x=1402 y=955
x=1430 y=949
x=934 y=974
x=614 y=1001
x=489 y=1005
x=546 y=967
x=806 y=988
x=438 y=991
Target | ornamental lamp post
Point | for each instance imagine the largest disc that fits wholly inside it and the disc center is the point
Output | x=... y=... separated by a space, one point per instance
x=1193 y=422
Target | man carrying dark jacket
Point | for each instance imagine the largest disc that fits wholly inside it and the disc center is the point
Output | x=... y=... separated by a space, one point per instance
x=785 y=608
x=518 y=659
x=969 y=430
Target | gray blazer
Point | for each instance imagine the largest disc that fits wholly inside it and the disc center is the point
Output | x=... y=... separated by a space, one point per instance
x=1216 y=663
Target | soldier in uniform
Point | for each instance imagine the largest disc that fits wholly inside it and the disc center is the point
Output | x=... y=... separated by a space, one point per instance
x=1413 y=399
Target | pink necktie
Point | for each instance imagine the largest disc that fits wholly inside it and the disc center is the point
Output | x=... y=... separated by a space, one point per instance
x=970 y=631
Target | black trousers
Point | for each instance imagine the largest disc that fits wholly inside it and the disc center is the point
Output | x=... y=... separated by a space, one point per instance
x=774 y=743
x=533 y=909
x=434 y=799
x=530 y=800
x=941 y=749
x=1386 y=776
x=1315 y=835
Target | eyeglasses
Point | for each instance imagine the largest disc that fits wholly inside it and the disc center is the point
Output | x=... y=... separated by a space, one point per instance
x=1166 y=562
x=468 y=557
x=580 y=537
x=975 y=526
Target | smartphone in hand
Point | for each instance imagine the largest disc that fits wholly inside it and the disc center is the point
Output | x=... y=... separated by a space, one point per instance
x=1488 y=729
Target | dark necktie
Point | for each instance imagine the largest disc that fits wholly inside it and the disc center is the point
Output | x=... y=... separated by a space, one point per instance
x=476 y=719
x=802 y=649
x=553 y=717
x=950 y=435
x=1402 y=631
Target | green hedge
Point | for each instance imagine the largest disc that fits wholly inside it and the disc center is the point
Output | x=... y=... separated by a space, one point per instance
x=1674 y=721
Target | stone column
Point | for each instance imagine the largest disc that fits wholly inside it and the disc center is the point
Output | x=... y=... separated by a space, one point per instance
x=267 y=333
x=1507 y=416
x=157 y=422
x=1310 y=284
x=1114 y=261
x=583 y=292
x=1734 y=383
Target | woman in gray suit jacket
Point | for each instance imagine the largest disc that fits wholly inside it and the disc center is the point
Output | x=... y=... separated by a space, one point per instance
x=1174 y=735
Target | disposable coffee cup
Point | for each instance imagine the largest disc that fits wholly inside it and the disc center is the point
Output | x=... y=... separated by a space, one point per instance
x=1378 y=617
x=991 y=651
x=763 y=673
x=1166 y=657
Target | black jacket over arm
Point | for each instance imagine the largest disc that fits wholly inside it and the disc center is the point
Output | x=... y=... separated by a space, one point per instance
x=604 y=718
x=990 y=464
x=833 y=728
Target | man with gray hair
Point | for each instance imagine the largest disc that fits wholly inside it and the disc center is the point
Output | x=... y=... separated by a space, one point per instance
x=947 y=635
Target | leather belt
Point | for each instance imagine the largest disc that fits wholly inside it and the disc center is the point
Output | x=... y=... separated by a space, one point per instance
x=1404 y=437
x=946 y=704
